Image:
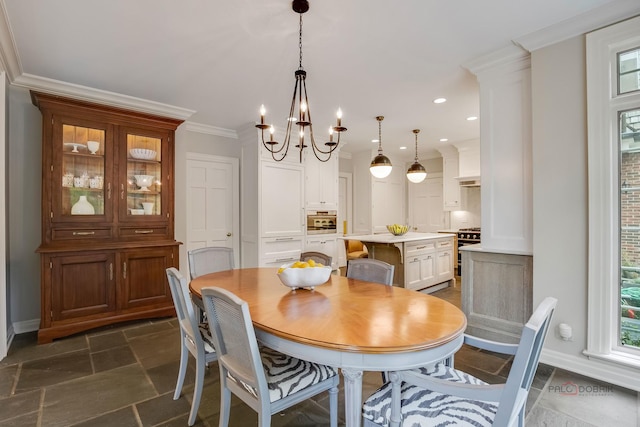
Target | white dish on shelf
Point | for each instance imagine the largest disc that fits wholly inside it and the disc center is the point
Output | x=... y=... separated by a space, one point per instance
x=75 y=146
x=144 y=181
x=142 y=154
x=137 y=211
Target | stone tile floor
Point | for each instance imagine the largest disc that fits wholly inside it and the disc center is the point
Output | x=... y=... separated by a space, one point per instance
x=125 y=375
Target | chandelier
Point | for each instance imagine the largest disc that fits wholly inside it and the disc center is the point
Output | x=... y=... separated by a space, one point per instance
x=416 y=172
x=380 y=165
x=300 y=103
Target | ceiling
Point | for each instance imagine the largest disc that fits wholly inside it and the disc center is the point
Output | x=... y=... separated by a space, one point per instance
x=223 y=59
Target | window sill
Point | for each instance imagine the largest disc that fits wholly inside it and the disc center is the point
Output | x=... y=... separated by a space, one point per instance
x=616 y=357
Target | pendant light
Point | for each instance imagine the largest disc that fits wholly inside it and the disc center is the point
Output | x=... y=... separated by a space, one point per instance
x=380 y=165
x=416 y=173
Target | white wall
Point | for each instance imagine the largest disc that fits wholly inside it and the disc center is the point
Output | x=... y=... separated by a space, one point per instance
x=24 y=177
x=560 y=186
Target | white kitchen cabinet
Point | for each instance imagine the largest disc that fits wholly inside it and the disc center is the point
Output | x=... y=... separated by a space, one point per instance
x=277 y=251
x=420 y=265
x=326 y=245
x=272 y=199
x=444 y=260
x=450 y=185
x=282 y=196
x=321 y=182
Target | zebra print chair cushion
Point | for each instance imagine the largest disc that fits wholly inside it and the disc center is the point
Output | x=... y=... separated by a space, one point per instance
x=421 y=407
x=287 y=375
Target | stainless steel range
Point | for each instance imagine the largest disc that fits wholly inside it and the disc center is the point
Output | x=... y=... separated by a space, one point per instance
x=466 y=236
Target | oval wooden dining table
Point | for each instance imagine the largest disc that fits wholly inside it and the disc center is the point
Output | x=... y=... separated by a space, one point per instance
x=346 y=323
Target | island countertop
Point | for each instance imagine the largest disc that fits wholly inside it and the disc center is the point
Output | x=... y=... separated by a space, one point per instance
x=410 y=236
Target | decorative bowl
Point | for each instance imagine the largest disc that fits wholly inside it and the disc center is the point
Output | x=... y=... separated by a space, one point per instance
x=137 y=211
x=144 y=181
x=309 y=277
x=397 y=229
x=142 y=154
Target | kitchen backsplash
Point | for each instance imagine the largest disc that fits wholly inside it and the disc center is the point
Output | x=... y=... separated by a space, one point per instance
x=470 y=217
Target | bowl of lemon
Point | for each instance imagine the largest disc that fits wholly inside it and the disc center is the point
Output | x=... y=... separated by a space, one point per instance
x=304 y=274
x=397 y=229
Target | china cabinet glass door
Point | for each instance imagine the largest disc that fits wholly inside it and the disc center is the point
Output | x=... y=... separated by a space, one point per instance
x=144 y=175
x=82 y=185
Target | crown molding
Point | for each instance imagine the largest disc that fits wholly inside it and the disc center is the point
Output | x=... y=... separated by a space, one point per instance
x=84 y=93
x=211 y=130
x=510 y=55
x=9 y=59
x=599 y=17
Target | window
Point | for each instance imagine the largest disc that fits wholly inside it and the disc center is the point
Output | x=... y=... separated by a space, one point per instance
x=629 y=291
x=613 y=97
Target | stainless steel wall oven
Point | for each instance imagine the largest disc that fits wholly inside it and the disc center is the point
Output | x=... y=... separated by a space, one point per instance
x=322 y=222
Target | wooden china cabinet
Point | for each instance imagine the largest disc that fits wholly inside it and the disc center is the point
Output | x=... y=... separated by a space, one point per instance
x=107 y=215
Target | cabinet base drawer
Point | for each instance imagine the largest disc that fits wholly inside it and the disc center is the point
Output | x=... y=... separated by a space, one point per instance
x=140 y=232
x=79 y=234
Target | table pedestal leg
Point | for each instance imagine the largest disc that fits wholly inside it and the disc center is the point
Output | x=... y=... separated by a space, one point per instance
x=352 y=396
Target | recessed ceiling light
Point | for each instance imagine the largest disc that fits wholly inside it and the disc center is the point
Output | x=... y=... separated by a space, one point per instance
x=403 y=148
x=472 y=118
x=444 y=139
x=439 y=100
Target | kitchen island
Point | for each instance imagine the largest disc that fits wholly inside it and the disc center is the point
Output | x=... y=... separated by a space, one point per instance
x=423 y=261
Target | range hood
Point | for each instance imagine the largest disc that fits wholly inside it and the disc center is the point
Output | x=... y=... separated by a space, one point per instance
x=468 y=181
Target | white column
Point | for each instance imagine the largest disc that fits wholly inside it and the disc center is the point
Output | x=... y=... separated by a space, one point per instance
x=505 y=149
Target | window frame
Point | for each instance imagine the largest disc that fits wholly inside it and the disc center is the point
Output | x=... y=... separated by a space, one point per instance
x=603 y=106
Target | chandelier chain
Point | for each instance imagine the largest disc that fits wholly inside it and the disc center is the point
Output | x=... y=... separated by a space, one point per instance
x=300 y=42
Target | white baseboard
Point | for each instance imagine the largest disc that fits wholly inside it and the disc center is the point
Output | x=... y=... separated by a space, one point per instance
x=26 y=326
x=593 y=368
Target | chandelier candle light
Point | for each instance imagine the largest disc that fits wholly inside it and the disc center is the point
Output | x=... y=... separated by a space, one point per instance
x=303 y=119
x=380 y=165
x=416 y=172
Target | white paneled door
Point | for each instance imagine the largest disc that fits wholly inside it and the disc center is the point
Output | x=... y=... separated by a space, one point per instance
x=212 y=202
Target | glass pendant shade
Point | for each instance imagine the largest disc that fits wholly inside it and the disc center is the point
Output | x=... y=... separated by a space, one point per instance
x=416 y=172
x=380 y=165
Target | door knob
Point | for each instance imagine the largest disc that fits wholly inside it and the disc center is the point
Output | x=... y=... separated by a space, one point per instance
x=228 y=234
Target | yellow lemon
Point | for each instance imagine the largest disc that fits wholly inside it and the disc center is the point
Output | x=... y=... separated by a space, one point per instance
x=280 y=270
x=304 y=265
x=297 y=264
x=319 y=264
x=311 y=263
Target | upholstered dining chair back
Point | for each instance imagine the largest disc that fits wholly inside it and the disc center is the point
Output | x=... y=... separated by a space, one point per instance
x=370 y=270
x=452 y=397
x=266 y=380
x=194 y=338
x=317 y=257
x=355 y=249
x=210 y=260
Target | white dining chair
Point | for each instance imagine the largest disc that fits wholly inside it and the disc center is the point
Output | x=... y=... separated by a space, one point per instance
x=207 y=260
x=442 y=395
x=370 y=270
x=195 y=338
x=210 y=260
x=266 y=380
x=317 y=257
